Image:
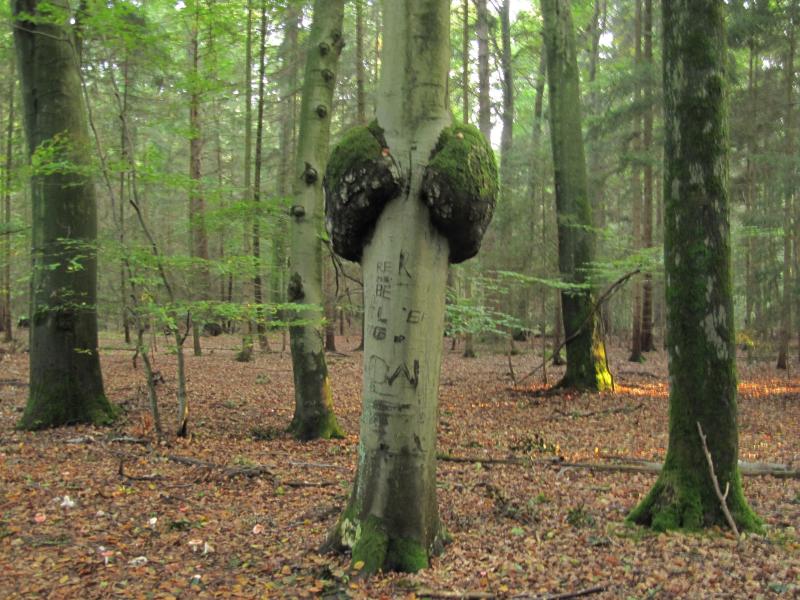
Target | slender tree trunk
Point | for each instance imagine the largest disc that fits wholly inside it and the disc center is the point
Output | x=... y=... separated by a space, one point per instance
x=505 y=210
x=258 y=294
x=330 y=296
x=392 y=519
x=313 y=412
x=361 y=99
x=586 y=362
x=197 y=229
x=123 y=179
x=8 y=163
x=697 y=255
x=66 y=385
x=465 y=39
x=788 y=209
x=484 y=105
x=246 y=354
x=636 y=196
x=647 y=208
x=750 y=192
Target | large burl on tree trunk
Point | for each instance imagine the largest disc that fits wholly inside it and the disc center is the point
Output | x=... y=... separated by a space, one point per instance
x=697 y=254
x=65 y=381
x=405 y=196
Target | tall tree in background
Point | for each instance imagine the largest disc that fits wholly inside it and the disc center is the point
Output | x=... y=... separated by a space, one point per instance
x=197 y=229
x=5 y=185
x=66 y=385
x=428 y=191
x=647 y=344
x=788 y=192
x=636 y=189
x=697 y=254
x=258 y=281
x=586 y=360
x=313 y=412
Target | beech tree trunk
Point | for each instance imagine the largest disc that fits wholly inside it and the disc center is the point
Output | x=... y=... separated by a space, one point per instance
x=66 y=385
x=313 y=412
x=697 y=257
x=586 y=361
x=392 y=518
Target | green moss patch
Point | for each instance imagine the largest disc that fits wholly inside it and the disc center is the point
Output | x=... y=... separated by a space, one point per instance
x=460 y=187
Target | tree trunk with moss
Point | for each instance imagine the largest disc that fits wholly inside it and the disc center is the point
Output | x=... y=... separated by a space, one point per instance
x=6 y=184
x=313 y=412
x=66 y=385
x=697 y=255
x=586 y=360
x=405 y=195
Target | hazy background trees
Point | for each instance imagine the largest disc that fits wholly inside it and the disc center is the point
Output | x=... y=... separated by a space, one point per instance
x=168 y=96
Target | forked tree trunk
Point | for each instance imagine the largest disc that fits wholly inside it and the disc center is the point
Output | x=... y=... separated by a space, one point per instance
x=392 y=518
x=313 y=412
x=586 y=362
x=697 y=256
x=66 y=385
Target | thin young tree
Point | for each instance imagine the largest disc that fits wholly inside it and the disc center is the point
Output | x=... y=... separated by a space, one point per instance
x=697 y=256
x=313 y=412
x=586 y=360
x=5 y=312
x=66 y=385
x=405 y=195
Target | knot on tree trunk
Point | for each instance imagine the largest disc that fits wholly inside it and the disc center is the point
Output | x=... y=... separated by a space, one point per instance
x=460 y=188
x=360 y=179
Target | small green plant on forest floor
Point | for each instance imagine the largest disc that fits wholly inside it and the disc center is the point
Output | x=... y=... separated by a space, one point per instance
x=579 y=517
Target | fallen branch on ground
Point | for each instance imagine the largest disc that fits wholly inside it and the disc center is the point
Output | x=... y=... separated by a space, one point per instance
x=491 y=596
x=250 y=471
x=631 y=465
x=596 y=413
x=723 y=497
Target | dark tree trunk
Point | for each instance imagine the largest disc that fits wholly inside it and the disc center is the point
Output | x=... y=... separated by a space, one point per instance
x=586 y=363
x=66 y=385
x=697 y=255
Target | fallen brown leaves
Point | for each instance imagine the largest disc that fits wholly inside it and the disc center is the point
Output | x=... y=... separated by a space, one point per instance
x=238 y=510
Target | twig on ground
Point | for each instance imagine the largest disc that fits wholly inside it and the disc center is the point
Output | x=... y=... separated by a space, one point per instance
x=596 y=413
x=723 y=497
x=610 y=290
x=124 y=475
x=252 y=471
x=491 y=596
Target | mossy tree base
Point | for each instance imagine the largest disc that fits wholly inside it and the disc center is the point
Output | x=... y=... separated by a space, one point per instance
x=57 y=405
x=373 y=549
x=680 y=502
x=320 y=427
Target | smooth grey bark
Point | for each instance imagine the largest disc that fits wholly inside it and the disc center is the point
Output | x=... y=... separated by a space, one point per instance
x=697 y=258
x=392 y=518
x=313 y=413
x=66 y=385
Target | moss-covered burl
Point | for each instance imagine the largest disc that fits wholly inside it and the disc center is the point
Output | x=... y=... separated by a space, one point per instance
x=459 y=188
x=360 y=179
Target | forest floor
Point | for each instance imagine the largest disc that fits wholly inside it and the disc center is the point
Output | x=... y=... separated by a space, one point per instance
x=95 y=513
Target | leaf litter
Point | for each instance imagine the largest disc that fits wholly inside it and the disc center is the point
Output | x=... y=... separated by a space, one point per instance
x=97 y=513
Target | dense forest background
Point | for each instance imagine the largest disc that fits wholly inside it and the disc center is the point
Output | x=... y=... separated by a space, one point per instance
x=194 y=118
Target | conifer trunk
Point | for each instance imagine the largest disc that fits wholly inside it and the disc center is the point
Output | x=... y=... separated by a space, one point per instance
x=697 y=255
x=313 y=413
x=66 y=385
x=647 y=344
